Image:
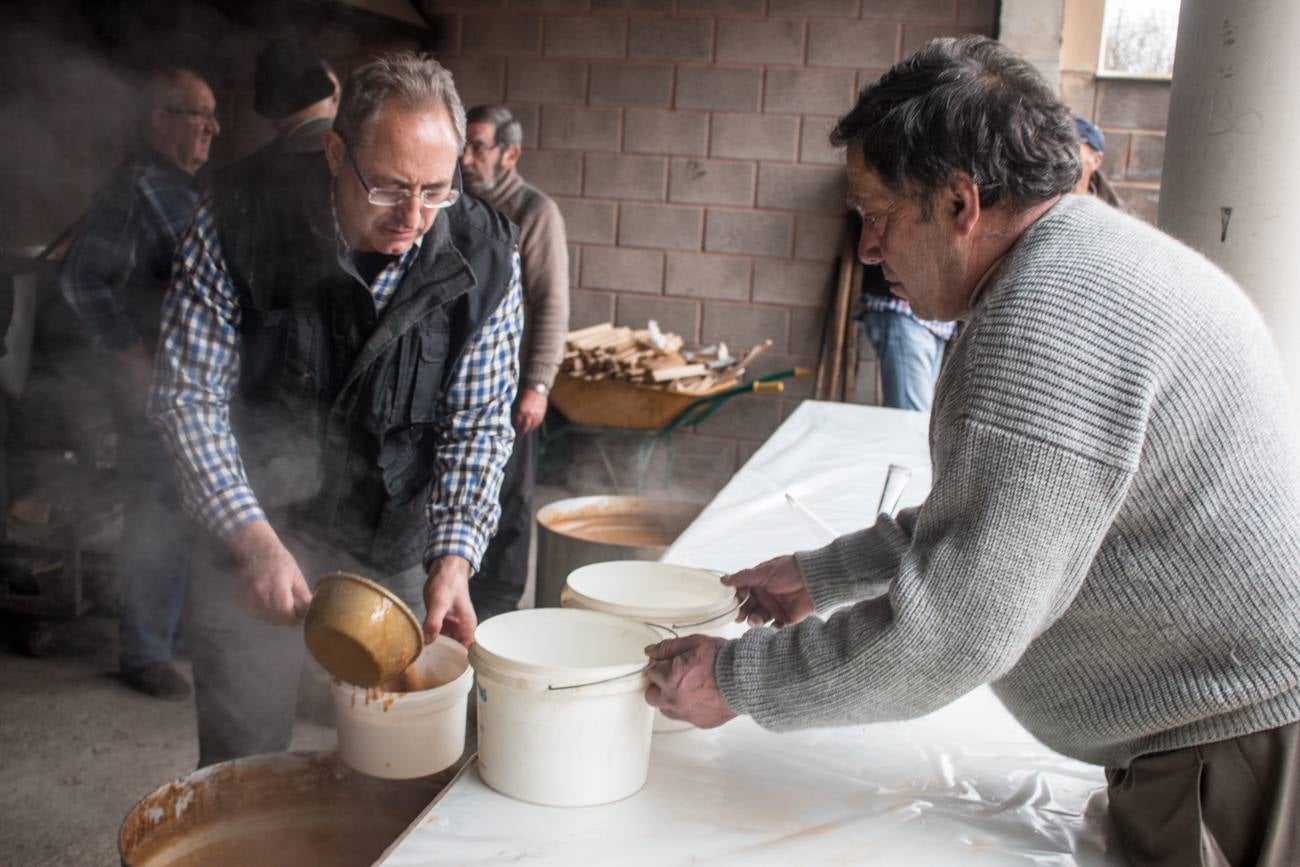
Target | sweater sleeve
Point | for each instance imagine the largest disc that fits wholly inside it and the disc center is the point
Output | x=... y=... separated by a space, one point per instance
x=545 y=254
x=858 y=565
x=999 y=550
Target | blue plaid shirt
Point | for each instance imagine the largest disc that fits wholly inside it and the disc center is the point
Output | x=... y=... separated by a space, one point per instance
x=129 y=234
x=198 y=365
x=894 y=304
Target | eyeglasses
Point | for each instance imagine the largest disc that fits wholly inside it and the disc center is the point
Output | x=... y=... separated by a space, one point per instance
x=429 y=199
x=194 y=115
x=478 y=148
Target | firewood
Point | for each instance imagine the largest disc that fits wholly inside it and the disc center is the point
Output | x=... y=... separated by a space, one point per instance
x=665 y=374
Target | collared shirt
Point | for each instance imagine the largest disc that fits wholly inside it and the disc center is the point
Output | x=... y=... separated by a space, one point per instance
x=894 y=304
x=198 y=365
x=129 y=233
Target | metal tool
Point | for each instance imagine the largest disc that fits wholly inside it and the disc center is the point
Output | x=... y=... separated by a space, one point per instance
x=896 y=480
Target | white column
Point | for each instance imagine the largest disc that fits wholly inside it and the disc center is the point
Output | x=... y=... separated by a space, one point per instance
x=1032 y=28
x=1232 y=155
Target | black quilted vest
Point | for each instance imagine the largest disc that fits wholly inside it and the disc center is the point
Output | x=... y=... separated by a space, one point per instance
x=337 y=407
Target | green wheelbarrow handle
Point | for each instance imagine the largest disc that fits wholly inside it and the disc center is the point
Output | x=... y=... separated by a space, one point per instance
x=700 y=409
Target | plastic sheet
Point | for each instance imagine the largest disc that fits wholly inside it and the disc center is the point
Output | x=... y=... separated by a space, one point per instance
x=965 y=785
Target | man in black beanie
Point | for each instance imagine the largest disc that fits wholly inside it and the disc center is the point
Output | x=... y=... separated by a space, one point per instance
x=297 y=92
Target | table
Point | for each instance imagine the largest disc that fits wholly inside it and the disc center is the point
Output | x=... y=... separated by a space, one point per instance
x=963 y=785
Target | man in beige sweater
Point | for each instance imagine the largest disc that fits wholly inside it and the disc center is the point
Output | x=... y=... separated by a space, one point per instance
x=493 y=143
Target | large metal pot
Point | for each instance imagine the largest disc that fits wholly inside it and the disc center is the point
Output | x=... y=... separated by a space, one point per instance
x=585 y=530
x=283 y=809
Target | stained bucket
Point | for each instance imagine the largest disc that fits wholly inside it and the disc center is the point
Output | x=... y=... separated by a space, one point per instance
x=680 y=599
x=562 y=717
x=411 y=726
x=583 y=530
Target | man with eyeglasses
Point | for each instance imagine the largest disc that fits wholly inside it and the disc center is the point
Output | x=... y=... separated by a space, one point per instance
x=338 y=363
x=114 y=277
x=492 y=148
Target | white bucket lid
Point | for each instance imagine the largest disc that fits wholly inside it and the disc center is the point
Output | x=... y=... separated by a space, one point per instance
x=563 y=647
x=662 y=593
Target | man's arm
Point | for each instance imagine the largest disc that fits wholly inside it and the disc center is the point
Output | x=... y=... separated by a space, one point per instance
x=545 y=253
x=98 y=264
x=475 y=438
x=999 y=550
x=195 y=371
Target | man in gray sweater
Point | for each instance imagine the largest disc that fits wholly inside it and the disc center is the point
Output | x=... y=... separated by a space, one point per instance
x=1112 y=539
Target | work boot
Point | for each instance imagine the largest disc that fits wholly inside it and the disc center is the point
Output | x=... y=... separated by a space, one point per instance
x=159 y=680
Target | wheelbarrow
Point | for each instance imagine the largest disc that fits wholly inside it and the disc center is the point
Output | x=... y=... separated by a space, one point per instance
x=644 y=412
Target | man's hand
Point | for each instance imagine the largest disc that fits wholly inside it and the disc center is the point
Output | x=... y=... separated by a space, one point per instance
x=529 y=411
x=682 y=683
x=274 y=589
x=446 y=598
x=777 y=592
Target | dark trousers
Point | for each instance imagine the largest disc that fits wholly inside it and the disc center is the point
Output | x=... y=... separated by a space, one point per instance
x=246 y=671
x=500 y=581
x=1233 y=803
x=152 y=561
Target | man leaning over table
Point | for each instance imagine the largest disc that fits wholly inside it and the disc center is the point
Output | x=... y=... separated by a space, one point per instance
x=337 y=367
x=1112 y=538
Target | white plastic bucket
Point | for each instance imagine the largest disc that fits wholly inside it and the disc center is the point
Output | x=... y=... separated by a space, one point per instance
x=681 y=599
x=387 y=732
x=562 y=717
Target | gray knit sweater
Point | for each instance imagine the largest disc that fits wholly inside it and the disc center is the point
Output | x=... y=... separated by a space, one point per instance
x=1112 y=538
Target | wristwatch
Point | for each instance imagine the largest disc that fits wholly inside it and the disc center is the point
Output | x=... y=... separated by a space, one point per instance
x=540 y=387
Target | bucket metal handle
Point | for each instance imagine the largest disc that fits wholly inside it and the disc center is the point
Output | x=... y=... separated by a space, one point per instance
x=732 y=610
x=640 y=671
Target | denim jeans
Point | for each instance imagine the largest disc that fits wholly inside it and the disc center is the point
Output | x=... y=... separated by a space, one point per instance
x=909 y=356
x=152 y=562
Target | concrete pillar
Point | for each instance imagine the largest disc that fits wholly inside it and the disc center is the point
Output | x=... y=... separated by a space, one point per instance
x=1232 y=153
x=1032 y=28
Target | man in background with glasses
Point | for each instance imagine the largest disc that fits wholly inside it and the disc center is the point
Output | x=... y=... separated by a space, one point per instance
x=114 y=277
x=489 y=162
x=339 y=357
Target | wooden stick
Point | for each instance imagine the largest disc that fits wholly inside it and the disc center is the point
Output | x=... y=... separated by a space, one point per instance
x=851 y=362
x=833 y=331
x=589 y=331
x=666 y=374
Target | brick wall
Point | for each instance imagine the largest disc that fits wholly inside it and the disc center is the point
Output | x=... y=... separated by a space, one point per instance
x=685 y=142
x=1132 y=113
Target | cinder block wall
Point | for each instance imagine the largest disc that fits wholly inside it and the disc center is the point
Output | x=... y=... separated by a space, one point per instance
x=685 y=142
x=1132 y=112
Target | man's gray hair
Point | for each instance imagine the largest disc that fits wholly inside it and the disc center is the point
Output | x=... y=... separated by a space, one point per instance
x=965 y=105
x=508 y=129
x=412 y=81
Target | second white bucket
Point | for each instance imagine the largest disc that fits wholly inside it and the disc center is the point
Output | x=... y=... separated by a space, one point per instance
x=412 y=727
x=562 y=716
x=679 y=599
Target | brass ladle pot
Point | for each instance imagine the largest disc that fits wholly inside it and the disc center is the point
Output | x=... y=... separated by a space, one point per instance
x=360 y=631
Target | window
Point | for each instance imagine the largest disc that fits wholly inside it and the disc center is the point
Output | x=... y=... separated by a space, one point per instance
x=1138 y=38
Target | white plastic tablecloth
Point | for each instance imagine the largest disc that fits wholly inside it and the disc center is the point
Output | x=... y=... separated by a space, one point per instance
x=964 y=785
